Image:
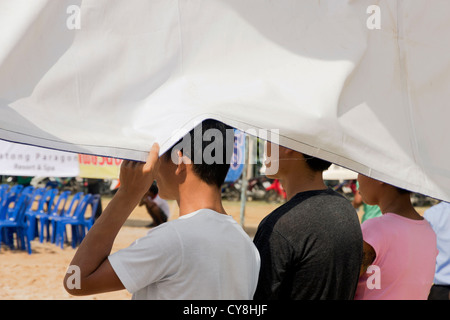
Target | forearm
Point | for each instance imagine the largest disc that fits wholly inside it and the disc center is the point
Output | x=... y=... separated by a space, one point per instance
x=95 y=273
x=97 y=244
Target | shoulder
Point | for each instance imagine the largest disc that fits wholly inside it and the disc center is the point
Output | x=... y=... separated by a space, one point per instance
x=206 y=223
x=375 y=227
x=159 y=241
x=322 y=201
x=374 y=222
x=162 y=235
x=307 y=211
x=438 y=213
x=307 y=204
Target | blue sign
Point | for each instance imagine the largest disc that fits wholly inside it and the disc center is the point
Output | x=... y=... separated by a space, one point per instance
x=238 y=158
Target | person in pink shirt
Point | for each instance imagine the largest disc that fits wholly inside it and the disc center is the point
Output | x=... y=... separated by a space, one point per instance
x=399 y=247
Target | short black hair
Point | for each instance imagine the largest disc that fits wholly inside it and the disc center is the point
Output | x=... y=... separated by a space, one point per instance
x=316 y=164
x=217 y=133
x=154 y=188
x=403 y=191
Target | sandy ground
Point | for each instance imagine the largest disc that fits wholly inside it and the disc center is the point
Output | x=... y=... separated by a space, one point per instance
x=39 y=275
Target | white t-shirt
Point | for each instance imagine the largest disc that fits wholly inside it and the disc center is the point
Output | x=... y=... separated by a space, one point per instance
x=202 y=255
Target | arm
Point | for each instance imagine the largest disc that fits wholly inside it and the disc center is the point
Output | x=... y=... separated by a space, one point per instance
x=96 y=273
x=368 y=257
x=273 y=266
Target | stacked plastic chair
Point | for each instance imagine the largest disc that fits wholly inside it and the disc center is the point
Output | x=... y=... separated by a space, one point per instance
x=10 y=196
x=66 y=212
x=15 y=221
x=31 y=212
x=56 y=211
x=3 y=192
x=44 y=200
x=76 y=220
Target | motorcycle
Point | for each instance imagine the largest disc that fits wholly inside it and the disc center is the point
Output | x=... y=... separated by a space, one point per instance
x=256 y=189
x=275 y=192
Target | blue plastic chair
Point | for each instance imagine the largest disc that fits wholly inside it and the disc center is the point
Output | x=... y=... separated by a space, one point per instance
x=35 y=205
x=65 y=213
x=83 y=224
x=16 y=223
x=44 y=210
x=94 y=202
x=76 y=221
x=11 y=196
x=3 y=192
x=8 y=209
x=56 y=211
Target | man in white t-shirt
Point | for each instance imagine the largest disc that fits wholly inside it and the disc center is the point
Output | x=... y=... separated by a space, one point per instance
x=204 y=254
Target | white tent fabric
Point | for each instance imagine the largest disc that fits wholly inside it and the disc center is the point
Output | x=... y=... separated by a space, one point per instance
x=366 y=87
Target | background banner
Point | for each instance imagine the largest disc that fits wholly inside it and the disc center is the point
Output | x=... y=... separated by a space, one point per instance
x=22 y=160
x=238 y=159
x=98 y=167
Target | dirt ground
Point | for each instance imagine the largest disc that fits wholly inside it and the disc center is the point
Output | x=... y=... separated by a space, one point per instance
x=40 y=275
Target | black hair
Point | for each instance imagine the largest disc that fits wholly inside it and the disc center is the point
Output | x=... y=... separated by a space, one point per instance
x=211 y=133
x=403 y=191
x=154 y=188
x=317 y=164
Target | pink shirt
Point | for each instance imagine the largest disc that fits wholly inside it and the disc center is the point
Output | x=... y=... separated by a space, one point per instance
x=405 y=259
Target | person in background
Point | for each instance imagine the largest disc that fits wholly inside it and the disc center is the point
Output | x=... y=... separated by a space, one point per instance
x=156 y=207
x=24 y=181
x=399 y=246
x=311 y=246
x=439 y=218
x=94 y=187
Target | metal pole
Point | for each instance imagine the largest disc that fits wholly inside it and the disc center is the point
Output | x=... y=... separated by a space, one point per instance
x=244 y=183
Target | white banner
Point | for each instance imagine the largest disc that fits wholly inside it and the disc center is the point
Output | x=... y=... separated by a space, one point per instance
x=364 y=84
x=23 y=160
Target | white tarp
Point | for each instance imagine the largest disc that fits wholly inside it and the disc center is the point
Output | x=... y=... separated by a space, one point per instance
x=364 y=84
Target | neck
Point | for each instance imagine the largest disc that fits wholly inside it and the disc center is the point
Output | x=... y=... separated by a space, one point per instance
x=200 y=195
x=400 y=205
x=295 y=183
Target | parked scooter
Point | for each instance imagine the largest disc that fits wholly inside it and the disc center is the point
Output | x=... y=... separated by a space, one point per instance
x=256 y=189
x=275 y=192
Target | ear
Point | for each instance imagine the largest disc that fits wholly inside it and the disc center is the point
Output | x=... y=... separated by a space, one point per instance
x=284 y=150
x=288 y=151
